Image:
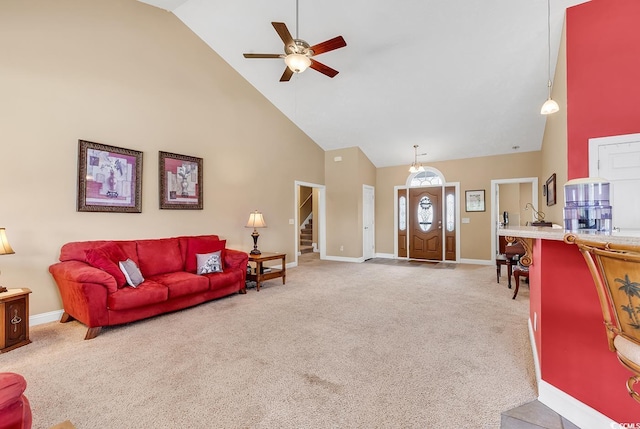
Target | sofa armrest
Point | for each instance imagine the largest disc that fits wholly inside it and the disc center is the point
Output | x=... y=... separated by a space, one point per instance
x=81 y=272
x=84 y=291
x=235 y=259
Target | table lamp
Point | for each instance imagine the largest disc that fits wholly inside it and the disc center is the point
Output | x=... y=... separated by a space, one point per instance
x=256 y=220
x=5 y=249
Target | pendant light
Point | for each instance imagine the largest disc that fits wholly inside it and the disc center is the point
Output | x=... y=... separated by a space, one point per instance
x=549 y=106
x=416 y=167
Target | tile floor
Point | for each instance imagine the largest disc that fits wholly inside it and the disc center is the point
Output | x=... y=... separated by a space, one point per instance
x=534 y=415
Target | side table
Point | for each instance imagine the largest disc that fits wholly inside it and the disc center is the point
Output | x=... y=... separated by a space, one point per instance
x=14 y=319
x=259 y=276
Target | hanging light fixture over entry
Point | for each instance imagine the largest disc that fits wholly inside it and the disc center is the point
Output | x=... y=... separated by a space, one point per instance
x=549 y=106
x=416 y=167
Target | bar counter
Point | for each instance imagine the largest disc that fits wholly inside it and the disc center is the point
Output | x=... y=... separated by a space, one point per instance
x=578 y=377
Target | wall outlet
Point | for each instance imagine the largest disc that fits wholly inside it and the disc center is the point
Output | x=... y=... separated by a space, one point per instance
x=290 y=221
x=466 y=220
x=342 y=248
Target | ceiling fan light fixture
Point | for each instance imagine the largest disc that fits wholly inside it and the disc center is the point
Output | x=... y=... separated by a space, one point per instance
x=297 y=62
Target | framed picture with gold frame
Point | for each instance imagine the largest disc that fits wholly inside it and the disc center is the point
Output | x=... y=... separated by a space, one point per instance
x=180 y=181
x=109 y=178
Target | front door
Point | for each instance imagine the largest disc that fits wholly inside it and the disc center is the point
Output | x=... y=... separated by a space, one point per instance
x=425 y=223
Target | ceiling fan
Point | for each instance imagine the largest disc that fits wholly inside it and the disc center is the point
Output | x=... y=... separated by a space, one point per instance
x=298 y=54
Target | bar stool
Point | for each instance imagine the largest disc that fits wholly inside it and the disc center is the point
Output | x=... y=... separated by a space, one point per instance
x=519 y=271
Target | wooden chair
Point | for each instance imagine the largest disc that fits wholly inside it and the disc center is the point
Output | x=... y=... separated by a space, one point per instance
x=616 y=273
x=519 y=271
x=508 y=255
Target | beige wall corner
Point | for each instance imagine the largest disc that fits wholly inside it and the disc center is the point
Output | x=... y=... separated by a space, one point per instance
x=126 y=74
x=346 y=170
x=554 y=142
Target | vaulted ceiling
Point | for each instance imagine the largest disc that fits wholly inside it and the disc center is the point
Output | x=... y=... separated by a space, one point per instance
x=459 y=78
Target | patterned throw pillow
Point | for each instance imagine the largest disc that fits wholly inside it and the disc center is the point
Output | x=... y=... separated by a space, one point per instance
x=209 y=262
x=131 y=272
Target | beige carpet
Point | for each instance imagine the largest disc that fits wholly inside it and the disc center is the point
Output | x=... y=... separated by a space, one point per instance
x=341 y=345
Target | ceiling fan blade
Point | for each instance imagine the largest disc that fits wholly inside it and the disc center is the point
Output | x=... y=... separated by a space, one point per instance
x=286 y=76
x=326 y=70
x=329 y=45
x=263 y=55
x=283 y=32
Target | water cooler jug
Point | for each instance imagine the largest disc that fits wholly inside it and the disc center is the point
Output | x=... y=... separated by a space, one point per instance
x=586 y=205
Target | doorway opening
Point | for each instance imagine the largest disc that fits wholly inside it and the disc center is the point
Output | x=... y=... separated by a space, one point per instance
x=309 y=221
x=511 y=196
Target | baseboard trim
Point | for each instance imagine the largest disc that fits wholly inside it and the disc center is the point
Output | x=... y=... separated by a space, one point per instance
x=571 y=409
x=343 y=259
x=385 y=255
x=476 y=261
x=566 y=405
x=42 y=318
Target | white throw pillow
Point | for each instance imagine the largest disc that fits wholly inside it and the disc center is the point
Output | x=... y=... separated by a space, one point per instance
x=209 y=262
x=131 y=272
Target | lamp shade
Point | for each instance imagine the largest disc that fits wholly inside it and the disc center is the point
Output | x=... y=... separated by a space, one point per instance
x=256 y=220
x=5 y=247
x=549 y=107
x=297 y=62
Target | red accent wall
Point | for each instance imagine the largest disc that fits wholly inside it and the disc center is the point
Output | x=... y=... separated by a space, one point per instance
x=603 y=75
x=574 y=351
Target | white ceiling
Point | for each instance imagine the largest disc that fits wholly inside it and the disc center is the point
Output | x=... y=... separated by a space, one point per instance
x=459 y=78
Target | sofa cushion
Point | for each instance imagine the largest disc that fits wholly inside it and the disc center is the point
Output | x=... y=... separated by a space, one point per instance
x=77 y=250
x=159 y=256
x=182 y=283
x=224 y=279
x=131 y=272
x=201 y=245
x=209 y=262
x=106 y=257
x=147 y=293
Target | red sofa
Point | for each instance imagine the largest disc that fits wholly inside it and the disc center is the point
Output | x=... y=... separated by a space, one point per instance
x=15 y=410
x=94 y=290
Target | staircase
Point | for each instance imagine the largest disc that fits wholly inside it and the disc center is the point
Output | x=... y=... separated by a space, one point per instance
x=306 y=237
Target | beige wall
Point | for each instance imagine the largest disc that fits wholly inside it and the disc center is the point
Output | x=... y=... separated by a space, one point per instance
x=554 y=143
x=123 y=73
x=510 y=202
x=344 y=180
x=473 y=174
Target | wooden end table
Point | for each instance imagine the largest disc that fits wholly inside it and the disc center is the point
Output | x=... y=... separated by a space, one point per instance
x=14 y=319
x=259 y=276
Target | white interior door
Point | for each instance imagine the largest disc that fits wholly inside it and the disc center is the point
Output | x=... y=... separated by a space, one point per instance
x=368 y=232
x=618 y=161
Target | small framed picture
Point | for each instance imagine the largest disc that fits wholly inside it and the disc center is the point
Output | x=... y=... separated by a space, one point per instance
x=551 y=190
x=474 y=201
x=180 y=181
x=109 y=178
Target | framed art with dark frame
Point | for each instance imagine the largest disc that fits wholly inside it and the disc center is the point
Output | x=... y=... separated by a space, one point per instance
x=474 y=201
x=109 y=178
x=551 y=190
x=180 y=181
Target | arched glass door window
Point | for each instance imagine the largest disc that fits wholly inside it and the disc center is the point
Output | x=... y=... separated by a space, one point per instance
x=429 y=177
